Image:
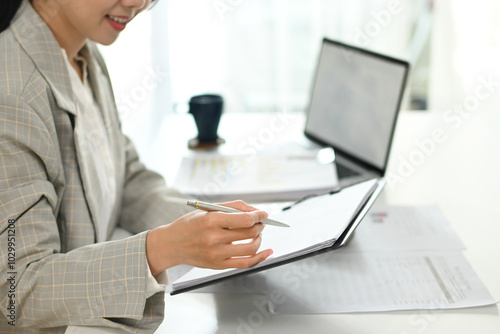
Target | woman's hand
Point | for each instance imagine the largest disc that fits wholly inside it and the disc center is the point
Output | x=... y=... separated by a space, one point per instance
x=209 y=240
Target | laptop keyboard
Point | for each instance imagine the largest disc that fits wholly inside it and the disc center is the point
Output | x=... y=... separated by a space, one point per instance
x=344 y=171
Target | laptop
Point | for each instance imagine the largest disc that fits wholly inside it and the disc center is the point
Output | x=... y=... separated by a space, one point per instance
x=353 y=108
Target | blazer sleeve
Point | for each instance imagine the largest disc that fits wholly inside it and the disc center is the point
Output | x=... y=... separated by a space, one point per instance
x=98 y=285
x=147 y=201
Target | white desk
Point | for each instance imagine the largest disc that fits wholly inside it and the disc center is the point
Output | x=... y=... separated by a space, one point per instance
x=461 y=174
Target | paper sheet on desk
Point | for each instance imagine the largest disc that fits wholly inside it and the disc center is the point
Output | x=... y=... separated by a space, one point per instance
x=371 y=282
x=400 y=258
x=405 y=228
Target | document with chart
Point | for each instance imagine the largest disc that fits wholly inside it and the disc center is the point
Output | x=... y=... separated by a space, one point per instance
x=254 y=178
x=341 y=282
x=402 y=258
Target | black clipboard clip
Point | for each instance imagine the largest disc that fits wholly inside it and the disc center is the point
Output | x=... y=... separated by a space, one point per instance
x=305 y=198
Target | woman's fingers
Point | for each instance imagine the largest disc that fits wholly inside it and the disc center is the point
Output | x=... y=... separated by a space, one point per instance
x=245 y=262
x=248 y=248
x=218 y=255
x=239 y=205
x=236 y=220
x=231 y=235
x=216 y=240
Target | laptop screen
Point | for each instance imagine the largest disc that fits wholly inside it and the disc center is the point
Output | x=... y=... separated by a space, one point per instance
x=355 y=101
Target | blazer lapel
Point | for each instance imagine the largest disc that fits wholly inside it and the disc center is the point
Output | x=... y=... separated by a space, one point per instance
x=102 y=92
x=39 y=43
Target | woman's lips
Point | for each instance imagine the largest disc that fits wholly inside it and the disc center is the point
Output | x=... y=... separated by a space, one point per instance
x=117 y=22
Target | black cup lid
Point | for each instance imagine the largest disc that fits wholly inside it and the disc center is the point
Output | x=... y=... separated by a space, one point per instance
x=205 y=99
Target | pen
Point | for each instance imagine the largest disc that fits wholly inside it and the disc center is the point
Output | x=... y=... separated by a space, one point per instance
x=214 y=207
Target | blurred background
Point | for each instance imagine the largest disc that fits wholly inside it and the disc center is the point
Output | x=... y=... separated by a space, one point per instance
x=260 y=55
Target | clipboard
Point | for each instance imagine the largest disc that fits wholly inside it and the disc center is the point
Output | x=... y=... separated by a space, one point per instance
x=361 y=208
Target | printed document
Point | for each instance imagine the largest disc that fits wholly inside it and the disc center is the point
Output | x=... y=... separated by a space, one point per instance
x=401 y=258
x=341 y=282
x=261 y=177
x=405 y=228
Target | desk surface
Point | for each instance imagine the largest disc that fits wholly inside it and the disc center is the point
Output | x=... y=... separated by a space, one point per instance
x=433 y=160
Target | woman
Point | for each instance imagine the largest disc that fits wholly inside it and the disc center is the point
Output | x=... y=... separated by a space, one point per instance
x=69 y=177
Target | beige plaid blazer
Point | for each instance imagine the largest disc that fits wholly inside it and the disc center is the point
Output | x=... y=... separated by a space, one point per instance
x=47 y=186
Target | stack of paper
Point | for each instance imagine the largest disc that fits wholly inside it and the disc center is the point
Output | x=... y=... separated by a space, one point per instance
x=259 y=177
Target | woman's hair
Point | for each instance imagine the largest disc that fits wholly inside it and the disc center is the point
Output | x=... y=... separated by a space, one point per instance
x=8 y=9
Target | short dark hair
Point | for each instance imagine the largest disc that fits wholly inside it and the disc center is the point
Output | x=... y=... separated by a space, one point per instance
x=8 y=9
